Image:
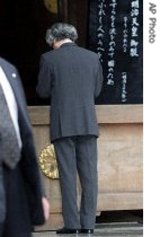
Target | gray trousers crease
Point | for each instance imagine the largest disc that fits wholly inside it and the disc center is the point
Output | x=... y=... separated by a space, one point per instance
x=78 y=153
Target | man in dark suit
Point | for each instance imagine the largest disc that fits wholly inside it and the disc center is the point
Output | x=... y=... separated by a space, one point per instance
x=22 y=199
x=72 y=77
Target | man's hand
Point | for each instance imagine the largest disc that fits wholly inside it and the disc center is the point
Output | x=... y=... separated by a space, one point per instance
x=46 y=208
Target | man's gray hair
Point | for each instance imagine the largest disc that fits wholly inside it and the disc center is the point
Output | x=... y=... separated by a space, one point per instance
x=60 y=31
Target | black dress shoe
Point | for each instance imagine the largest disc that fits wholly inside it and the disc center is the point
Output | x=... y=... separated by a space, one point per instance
x=87 y=231
x=65 y=230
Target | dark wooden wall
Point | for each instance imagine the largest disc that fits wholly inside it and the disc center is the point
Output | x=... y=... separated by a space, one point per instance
x=78 y=16
x=23 y=26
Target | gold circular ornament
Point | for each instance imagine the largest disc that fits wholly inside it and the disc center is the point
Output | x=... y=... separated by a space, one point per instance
x=51 y=5
x=48 y=162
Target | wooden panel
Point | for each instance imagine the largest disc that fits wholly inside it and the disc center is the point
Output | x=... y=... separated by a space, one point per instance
x=120 y=158
x=39 y=114
x=105 y=114
x=115 y=201
x=120 y=201
x=78 y=16
x=119 y=113
x=55 y=221
x=120 y=163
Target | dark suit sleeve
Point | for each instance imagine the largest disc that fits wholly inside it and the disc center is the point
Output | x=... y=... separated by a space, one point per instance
x=99 y=80
x=44 y=79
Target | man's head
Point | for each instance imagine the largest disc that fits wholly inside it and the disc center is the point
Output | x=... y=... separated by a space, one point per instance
x=60 y=33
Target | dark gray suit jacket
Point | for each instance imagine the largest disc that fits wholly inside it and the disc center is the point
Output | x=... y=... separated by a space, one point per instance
x=28 y=162
x=72 y=77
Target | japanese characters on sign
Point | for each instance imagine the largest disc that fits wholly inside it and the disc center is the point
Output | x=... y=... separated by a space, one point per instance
x=112 y=43
x=101 y=29
x=135 y=25
x=116 y=35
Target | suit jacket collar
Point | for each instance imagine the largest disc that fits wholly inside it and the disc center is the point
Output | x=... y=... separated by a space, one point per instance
x=11 y=75
x=15 y=83
x=14 y=80
x=10 y=72
x=68 y=44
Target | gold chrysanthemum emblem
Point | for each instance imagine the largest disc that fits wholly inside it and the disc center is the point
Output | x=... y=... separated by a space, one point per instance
x=51 y=5
x=48 y=162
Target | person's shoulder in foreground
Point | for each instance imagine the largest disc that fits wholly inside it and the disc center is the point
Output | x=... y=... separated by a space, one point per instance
x=6 y=63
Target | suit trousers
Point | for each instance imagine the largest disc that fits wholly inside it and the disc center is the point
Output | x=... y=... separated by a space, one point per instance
x=17 y=222
x=78 y=153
